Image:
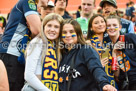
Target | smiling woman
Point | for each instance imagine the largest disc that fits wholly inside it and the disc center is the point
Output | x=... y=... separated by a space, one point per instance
x=80 y=63
x=125 y=54
x=52 y=29
x=96 y=30
x=41 y=70
x=68 y=31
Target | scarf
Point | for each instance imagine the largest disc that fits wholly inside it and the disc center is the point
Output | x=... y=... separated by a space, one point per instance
x=50 y=69
x=96 y=43
x=120 y=57
x=23 y=46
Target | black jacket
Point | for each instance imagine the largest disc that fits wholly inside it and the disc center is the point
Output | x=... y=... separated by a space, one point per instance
x=130 y=49
x=66 y=16
x=89 y=74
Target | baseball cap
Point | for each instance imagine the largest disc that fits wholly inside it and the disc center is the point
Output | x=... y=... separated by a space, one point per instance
x=50 y=3
x=113 y=2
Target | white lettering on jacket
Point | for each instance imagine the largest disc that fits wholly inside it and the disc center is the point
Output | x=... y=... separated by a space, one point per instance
x=65 y=68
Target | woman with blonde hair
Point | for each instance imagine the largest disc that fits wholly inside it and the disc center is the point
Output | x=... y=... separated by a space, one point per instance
x=41 y=70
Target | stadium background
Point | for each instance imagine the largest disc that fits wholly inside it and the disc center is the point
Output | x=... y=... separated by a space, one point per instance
x=7 y=5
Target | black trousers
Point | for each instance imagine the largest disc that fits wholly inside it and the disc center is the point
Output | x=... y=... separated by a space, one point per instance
x=15 y=71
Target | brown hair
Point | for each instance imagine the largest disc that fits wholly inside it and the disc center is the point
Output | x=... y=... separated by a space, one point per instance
x=80 y=38
x=91 y=32
x=57 y=0
x=77 y=28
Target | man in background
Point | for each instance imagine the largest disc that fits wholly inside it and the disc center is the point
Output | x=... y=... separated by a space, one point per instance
x=46 y=10
x=24 y=11
x=87 y=7
x=60 y=8
x=132 y=9
x=110 y=7
x=78 y=11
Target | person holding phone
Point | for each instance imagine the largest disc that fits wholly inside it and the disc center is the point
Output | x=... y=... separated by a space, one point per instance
x=86 y=64
x=96 y=30
x=124 y=49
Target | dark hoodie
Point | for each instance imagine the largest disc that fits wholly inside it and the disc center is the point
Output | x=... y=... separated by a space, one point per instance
x=88 y=73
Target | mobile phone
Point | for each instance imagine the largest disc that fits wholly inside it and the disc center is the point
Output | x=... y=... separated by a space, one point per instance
x=105 y=53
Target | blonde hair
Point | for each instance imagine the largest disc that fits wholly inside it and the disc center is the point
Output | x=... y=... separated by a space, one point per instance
x=52 y=16
x=42 y=35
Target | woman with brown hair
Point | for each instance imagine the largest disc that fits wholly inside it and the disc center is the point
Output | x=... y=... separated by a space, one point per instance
x=96 y=30
x=80 y=68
